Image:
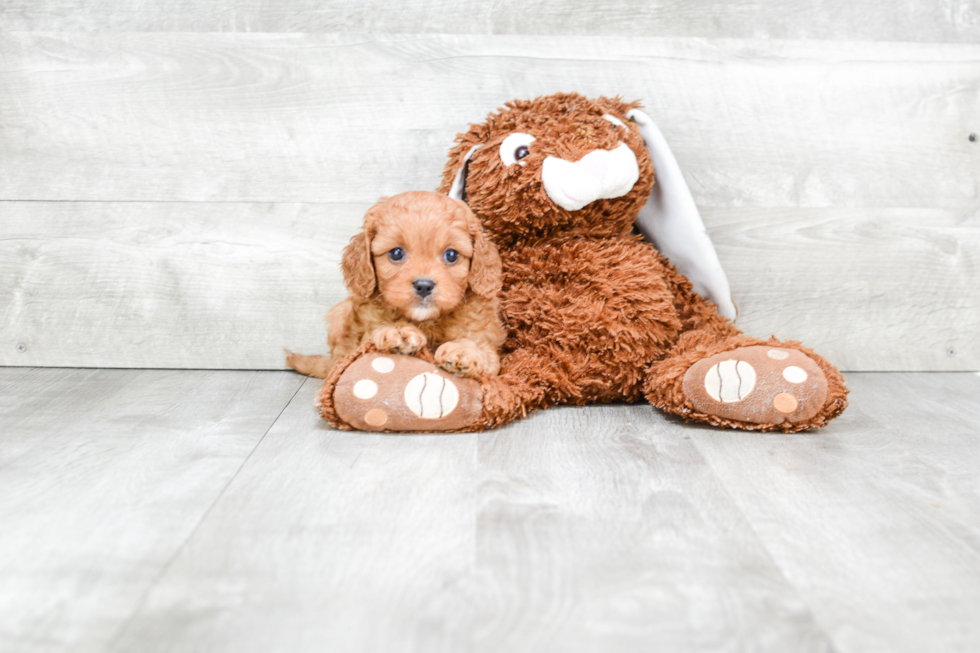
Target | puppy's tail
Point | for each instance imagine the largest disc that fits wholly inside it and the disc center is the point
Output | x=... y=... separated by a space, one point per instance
x=315 y=366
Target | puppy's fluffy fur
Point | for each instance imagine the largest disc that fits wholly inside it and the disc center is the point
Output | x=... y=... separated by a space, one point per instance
x=408 y=241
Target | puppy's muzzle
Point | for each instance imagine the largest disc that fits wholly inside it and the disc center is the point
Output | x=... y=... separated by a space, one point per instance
x=424 y=287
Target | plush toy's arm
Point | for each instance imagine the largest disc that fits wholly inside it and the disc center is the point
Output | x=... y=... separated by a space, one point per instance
x=670 y=220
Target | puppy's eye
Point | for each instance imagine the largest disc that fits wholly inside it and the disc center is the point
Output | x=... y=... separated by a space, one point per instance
x=515 y=147
x=451 y=256
x=396 y=254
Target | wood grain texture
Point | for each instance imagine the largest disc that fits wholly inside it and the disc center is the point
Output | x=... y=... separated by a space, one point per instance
x=587 y=529
x=131 y=523
x=601 y=530
x=331 y=541
x=870 y=289
x=104 y=474
x=856 y=514
x=168 y=284
x=345 y=118
x=214 y=285
x=920 y=20
x=837 y=181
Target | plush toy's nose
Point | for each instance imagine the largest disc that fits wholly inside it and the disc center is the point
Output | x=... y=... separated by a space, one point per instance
x=597 y=166
x=600 y=174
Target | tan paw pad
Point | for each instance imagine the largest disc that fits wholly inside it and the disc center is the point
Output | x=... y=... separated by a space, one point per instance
x=376 y=417
x=784 y=402
x=757 y=384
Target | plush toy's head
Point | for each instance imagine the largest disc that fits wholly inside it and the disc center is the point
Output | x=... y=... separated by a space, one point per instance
x=568 y=165
x=557 y=164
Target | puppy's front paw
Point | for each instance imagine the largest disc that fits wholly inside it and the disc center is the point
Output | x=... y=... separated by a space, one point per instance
x=398 y=339
x=465 y=358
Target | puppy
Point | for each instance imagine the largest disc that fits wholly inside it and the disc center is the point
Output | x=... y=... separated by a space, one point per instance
x=422 y=272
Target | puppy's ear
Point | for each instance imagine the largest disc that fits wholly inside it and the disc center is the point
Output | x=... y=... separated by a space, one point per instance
x=486 y=272
x=357 y=263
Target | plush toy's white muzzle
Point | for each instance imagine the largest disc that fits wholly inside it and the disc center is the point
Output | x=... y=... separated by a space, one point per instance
x=601 y=174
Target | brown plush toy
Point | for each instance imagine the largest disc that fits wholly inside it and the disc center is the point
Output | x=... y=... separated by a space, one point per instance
x=593 y=313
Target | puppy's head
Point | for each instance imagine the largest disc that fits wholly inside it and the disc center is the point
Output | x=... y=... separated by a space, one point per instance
x=420 y=252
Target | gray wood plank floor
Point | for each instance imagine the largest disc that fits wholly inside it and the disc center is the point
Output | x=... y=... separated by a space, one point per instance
x=213 y=511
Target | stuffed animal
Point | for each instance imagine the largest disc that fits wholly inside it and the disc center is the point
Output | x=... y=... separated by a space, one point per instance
x=593 y=312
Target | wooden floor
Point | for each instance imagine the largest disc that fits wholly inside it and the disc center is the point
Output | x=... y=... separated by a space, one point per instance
x=213 y=511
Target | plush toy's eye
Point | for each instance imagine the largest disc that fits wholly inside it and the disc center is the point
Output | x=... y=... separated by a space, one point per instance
x=614 y=120
x=515 y=147
x=451 y=256
x=396 y=254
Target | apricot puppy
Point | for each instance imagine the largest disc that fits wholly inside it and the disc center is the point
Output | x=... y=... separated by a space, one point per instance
x=421 y=273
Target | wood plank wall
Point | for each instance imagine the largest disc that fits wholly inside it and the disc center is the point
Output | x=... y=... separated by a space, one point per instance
x=177 y=178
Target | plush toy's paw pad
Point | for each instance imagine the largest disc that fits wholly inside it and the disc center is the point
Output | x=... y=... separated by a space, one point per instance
x=758 y=384
x=379 y=392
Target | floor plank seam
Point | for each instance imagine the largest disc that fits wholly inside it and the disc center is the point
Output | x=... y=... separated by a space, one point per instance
x=190 y=536
x=765 y=549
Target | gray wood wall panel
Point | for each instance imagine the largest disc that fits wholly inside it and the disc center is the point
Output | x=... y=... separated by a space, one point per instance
x=104 y=475
x=946 y=20
x=871 y=289
x=269 y=117
x=189 y=194
x=185 y=285
x=227 y=285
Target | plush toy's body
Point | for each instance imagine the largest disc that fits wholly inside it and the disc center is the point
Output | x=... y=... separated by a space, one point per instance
x=593 y=313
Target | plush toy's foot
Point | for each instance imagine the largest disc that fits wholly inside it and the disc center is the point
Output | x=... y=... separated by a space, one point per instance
x=392 y=392
x=747 y=383
x=758 y=385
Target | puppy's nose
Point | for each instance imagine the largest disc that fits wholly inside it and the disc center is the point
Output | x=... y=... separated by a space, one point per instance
x=423 y=287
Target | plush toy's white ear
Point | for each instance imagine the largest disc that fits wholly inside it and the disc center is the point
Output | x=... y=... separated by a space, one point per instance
x=670 y=220
x=458 y=190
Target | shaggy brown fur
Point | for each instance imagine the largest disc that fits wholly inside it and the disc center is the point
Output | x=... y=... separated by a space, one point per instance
x=592 y=313
x=458 y=318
